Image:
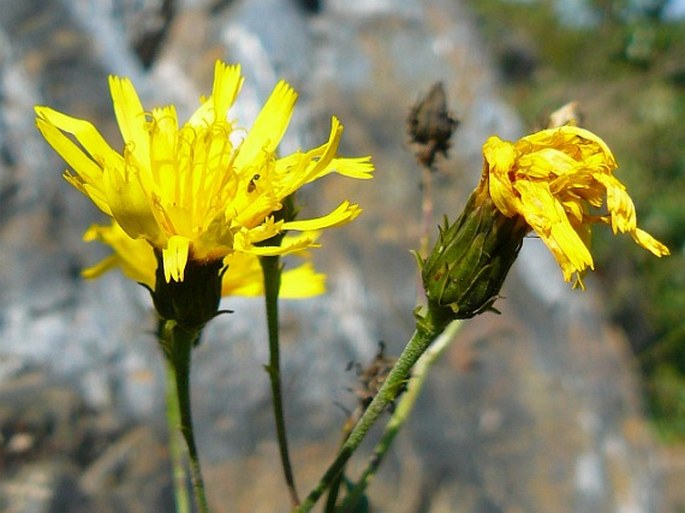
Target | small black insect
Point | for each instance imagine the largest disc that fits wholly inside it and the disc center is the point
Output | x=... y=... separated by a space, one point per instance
x=253 y=185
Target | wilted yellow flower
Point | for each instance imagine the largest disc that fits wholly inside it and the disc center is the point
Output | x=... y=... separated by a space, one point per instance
x=207 y=189
x=556 y=180
x=549 y=182
x=243 y=277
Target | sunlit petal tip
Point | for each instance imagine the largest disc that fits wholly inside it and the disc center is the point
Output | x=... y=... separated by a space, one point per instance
x=131 y=117
x=269 y=127
x=224 y=70
x=344 y=213
x=97 y=270
x=353 y=213
x=86 y=157
x=648 y=242
x=42 y=112
x=227 y=84
x=358 y=167
x=336 y=133
x=91 y=234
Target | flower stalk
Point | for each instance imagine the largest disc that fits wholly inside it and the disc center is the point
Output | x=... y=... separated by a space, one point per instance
x=177 y=343
x=430 y=126
x=173 y=415
x=400 y=415
x=430 y=323
x=272 y=269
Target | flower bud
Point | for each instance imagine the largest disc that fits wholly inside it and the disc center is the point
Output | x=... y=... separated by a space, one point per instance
x=472 y=257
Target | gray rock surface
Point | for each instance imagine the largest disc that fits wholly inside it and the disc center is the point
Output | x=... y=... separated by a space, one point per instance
x=535 y=410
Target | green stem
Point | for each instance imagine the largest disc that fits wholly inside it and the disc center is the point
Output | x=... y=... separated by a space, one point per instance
x=178 y=343
x=173 y=416
x=426 y=211
x=271 y=268
x=428 y=328
x=333 y=492
x=400 y=414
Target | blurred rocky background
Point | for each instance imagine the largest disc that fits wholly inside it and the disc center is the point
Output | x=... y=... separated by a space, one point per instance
x=535 y=410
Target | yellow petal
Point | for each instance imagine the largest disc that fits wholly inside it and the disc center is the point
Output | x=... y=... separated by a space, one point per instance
x=72 y=154
x=243 y=276
x=577 y=142
x=97 y=270
x=86 y=134
x=131 y=118
x=247 y=237
x=227 y=85
x=270 y=126
x=89 y=178
x=545 y=163
x=164 y=151
x=345 y=213
x=322 y=165
x=619 y=204
x=175 y=257
x=648 y=242
x=357 y=167
x=298 y=283
x=130 y=205
x=135 y=257
x=592 y=144
x=284 y=249
x=500 y=157
x=547 y=217
x=302 y=282
x=298 y=169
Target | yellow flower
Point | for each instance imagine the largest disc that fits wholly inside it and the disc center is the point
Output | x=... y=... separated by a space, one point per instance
x=556 y=180
x=198 y=192
x=136 y=259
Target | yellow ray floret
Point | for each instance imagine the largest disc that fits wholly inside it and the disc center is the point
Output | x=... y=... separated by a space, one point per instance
x=136 y=259
x=207 y=188
x=553 y=179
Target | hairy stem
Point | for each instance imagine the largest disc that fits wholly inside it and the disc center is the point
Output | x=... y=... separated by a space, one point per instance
x=271 y=268
x=429 y=326
x=178 y=343
x=400 y=414
x=173 y=416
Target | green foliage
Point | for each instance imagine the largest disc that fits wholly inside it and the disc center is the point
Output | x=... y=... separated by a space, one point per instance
x=628 y=75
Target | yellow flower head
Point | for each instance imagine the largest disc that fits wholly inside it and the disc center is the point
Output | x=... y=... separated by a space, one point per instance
x=206 y=190
x=243 y=277
x=554 y=179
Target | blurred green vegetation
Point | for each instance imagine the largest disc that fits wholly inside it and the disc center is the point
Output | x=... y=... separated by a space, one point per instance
x=625 y=66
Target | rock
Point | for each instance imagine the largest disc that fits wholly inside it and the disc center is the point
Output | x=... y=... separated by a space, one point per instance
x=132 y=474
x=60 y=456
x=43 y=487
